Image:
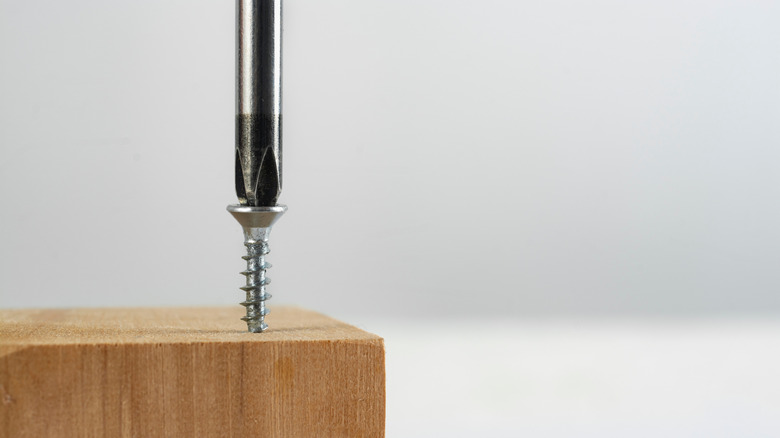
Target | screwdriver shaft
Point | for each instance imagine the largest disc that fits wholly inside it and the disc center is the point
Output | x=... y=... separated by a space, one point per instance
x=258 y=102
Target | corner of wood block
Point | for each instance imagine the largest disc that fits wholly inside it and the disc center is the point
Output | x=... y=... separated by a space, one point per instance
x=187 y=372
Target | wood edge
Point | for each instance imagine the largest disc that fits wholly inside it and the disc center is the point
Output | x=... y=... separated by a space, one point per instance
x=140 y=335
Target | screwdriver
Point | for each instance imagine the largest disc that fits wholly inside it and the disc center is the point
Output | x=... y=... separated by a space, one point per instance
x=258 y=144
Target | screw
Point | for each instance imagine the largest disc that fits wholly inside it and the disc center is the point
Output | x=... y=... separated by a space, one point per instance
x=256 y=223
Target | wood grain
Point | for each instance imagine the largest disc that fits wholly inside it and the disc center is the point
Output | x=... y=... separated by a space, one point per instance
x=187 y=372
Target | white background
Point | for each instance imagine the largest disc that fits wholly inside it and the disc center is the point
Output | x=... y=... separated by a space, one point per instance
x=441 y=157
x=472 y=161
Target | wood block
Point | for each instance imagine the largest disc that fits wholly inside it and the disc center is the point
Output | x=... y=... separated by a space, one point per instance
x=187 y=372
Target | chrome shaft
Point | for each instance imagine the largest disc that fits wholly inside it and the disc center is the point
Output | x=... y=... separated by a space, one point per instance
x=258 y=143
x=258 y=101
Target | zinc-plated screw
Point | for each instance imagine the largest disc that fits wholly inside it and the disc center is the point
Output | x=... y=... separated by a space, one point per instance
x=257 y=223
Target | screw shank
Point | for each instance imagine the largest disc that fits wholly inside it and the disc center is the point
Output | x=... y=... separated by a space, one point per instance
x=258 y=102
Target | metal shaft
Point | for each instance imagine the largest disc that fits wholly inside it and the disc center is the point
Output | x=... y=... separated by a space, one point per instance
x=258 y=143
x=258 y=102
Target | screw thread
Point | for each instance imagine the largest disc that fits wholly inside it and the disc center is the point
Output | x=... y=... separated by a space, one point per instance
x=256 y=282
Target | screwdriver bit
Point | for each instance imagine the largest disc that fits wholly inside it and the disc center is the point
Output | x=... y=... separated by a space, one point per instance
x=258 y=143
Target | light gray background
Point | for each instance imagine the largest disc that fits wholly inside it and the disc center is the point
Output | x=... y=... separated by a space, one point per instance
x=484 y=162
x=457 y=158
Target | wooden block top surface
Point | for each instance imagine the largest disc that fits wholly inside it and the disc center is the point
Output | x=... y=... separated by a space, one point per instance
x=166 y=326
